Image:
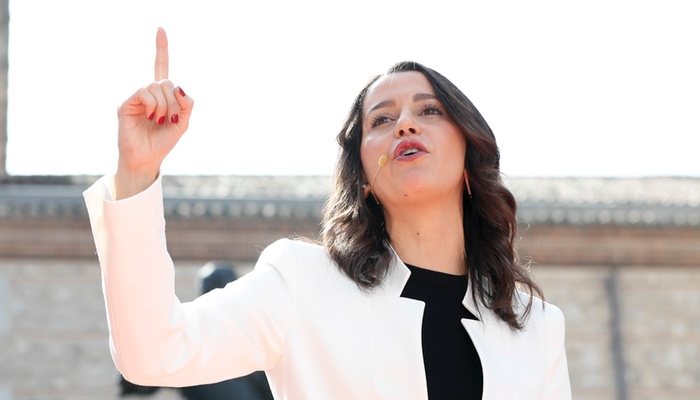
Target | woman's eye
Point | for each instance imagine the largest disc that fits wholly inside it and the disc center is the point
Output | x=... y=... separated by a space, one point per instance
x=379 y=120
x=432 y=110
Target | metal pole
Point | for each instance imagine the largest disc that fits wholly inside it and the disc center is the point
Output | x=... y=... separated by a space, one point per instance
x=4 y=35
x=611 y=286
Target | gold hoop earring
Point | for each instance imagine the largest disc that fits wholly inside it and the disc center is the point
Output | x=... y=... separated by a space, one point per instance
x=466 y=181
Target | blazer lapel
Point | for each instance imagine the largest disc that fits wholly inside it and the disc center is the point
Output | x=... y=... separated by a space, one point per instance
x=397 y=325
x=492 y=339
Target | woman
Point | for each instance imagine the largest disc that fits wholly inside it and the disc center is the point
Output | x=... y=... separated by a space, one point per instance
x=412 y=294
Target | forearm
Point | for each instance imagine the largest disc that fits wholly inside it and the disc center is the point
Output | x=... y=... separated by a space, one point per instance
x=137 y=275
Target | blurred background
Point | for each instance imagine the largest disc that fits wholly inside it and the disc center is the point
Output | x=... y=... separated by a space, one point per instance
x=594 y=105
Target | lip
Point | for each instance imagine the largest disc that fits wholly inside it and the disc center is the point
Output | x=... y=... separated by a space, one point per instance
x=407 y=144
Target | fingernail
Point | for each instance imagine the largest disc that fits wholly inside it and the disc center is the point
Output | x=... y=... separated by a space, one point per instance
x=161 y=120
x=174 y=118
x=182 y=92
x=152 y=115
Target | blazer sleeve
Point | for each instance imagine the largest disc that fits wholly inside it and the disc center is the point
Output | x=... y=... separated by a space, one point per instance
x=154 y=338
x=557 y=385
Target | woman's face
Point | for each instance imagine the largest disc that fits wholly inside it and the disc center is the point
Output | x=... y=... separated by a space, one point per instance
x=425 y=150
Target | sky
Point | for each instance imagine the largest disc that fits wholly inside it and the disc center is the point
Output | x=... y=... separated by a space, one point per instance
x=595 y=88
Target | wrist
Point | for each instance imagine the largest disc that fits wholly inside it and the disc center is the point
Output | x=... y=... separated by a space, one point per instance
x=130 y=181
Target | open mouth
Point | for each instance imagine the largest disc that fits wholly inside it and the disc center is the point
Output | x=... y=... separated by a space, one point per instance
x=409 y=149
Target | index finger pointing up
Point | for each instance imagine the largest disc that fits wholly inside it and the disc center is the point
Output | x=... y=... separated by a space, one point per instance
x=161 y=66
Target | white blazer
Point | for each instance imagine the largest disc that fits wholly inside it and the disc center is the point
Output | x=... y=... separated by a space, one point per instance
x=297 y=317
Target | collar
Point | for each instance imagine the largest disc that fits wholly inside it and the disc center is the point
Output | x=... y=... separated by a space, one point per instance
x=398 y=275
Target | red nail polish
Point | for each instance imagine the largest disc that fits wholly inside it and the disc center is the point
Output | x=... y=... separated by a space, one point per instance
x=182 y=92
x=152 y=115
x=174 y=118
x=161 y=120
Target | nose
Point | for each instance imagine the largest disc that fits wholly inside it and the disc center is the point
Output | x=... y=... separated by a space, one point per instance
x=405 y=125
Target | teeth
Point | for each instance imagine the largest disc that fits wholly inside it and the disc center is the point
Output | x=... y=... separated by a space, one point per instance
x=410 y=151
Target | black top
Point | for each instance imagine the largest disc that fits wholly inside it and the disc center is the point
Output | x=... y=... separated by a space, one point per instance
x=452 y=365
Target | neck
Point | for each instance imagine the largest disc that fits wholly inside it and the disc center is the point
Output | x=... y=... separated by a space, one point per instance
x=429 y=236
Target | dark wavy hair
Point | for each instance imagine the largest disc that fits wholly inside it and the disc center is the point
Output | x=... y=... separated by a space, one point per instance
x=353 y=229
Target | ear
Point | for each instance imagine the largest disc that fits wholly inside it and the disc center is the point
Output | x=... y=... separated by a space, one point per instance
x=365 y=190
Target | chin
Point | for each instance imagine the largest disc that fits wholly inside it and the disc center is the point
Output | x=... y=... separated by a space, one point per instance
x=429 y=187
x=421 y=190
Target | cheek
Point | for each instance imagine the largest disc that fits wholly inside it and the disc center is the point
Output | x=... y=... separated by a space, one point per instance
x=370 y=151
x=458 y=148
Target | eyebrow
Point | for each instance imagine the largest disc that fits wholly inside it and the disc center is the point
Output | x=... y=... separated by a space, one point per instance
x=389 y=103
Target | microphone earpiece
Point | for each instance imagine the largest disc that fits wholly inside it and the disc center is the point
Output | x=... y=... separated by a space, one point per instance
x=381 y=161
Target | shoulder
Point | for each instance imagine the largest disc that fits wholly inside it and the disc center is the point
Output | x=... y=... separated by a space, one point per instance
x=543 y=315
x=284 y=252
x=305 y=265
x=293 y=256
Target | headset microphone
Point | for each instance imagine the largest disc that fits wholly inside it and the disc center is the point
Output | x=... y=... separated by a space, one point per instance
x=380 y=163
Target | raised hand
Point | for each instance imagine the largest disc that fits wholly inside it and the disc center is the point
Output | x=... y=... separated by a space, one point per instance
x=151 y=122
